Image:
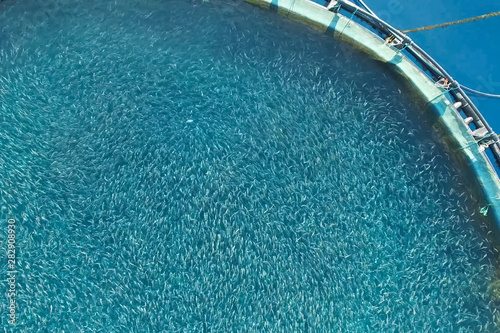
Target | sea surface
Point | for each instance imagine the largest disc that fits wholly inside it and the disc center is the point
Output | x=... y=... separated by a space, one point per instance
x=178 y=166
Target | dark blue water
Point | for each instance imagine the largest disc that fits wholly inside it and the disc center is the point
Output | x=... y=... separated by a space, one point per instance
x=192 y=166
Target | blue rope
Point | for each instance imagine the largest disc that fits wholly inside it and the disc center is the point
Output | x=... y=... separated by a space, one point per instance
x=479 y=92
x=443 y=93
x=352 y=16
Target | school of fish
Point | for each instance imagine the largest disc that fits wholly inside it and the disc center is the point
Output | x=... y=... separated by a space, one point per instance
x=190 y=166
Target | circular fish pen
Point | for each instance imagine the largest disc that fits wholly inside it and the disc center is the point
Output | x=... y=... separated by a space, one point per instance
x=210 y=166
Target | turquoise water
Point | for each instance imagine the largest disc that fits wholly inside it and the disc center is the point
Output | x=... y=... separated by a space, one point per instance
x=192 y=166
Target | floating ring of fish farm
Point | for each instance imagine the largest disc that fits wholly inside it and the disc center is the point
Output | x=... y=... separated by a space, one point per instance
x=209 y=166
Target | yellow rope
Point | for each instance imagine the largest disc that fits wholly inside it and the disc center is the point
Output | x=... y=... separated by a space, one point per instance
x=442 y=25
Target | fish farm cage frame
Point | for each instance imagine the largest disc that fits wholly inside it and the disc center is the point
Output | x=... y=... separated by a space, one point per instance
x=457 y=121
